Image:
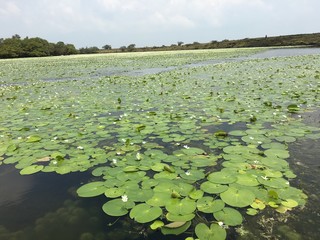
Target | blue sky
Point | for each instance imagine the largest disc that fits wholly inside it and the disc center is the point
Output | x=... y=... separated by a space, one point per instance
x=155 y=22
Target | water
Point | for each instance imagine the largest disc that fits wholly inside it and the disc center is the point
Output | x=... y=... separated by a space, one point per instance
x=45 y=205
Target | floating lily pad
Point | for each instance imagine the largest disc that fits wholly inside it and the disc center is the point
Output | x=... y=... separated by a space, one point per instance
x=33 y=139
x=159 y=199
x=209 y=205
x=213 y=188
x=179 y=218
x=175 y=231
x=237 y=197
x=229 y=216
x=117 y=207
x=156 y=225
x=91 y=189
x=181 y=207
x=31 y=169
x=247 y=180
x=215 y=232
x=114 y=192
x=280 y=153
x=221 y=178
x=144 y=213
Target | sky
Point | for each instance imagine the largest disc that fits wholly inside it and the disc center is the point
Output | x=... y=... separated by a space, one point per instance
x=88 y=23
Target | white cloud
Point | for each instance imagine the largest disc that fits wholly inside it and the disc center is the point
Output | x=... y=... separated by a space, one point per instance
x=9 y=9
x=148 y=22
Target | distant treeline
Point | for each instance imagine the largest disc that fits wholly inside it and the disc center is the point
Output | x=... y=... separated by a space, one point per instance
x=312 y=39
x=16 y=47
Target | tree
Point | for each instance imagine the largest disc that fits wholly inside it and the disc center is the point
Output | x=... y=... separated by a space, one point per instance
x=88 y=50
x=107 y=47
x=180 y=43
x=123 y=48
x=131 y=47
x=35 y=47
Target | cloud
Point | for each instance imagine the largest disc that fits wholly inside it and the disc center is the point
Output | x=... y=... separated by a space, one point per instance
x=9 y=9
x=147 y=22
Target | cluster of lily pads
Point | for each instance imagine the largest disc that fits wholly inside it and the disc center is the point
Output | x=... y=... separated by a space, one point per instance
x=194 y=149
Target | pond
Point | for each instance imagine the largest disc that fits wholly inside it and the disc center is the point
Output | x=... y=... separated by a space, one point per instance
x=208 y=144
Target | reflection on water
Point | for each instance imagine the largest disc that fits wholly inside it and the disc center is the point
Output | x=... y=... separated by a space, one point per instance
x=13 y=187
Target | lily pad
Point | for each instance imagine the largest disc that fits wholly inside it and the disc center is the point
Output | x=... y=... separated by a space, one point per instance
x=181 y=207
x=213 y=188
x=209 y=205
x=117 y=207
x=229 y=216
x=221 y=178
x=114 y=192
x=175 y=231
x=237 y=197
x=91 y=189
x=144 y=213
x=31 y=169
x=215 y=232
x=179 y=218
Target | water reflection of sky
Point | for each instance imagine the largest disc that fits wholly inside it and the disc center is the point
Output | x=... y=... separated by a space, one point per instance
x=13 y=186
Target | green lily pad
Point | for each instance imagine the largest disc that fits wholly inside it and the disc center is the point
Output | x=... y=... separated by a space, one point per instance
x=144 y=213
x=196 y=194
x=215 y=232
x=159 y=199
x=114 y=192
x=213 y=188
x=33 y=138
x=209 y=205
x=31 y=169
x=179 y=218
x=252 y=211
x=247 y=180
x=91 y=189
x=156 y=225
x=229 y=216
x=175 y=231
x=280 y=153
x=139 y=195
x=181 y=207
x=237 y=197
x=290 y=203
x=221 y=178
x=117 y=207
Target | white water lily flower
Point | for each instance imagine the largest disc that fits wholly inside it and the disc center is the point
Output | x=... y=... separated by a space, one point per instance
x=80 y=148
x=251 y=138
x=220 y=224
x=255 y=162
x=186 y=146
x=114 y=161
x=124 y=198
x=54 y=162
x=187 y=173
x=264 y=177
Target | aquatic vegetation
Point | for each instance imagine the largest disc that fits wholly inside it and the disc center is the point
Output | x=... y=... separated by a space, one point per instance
x=197 y=147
